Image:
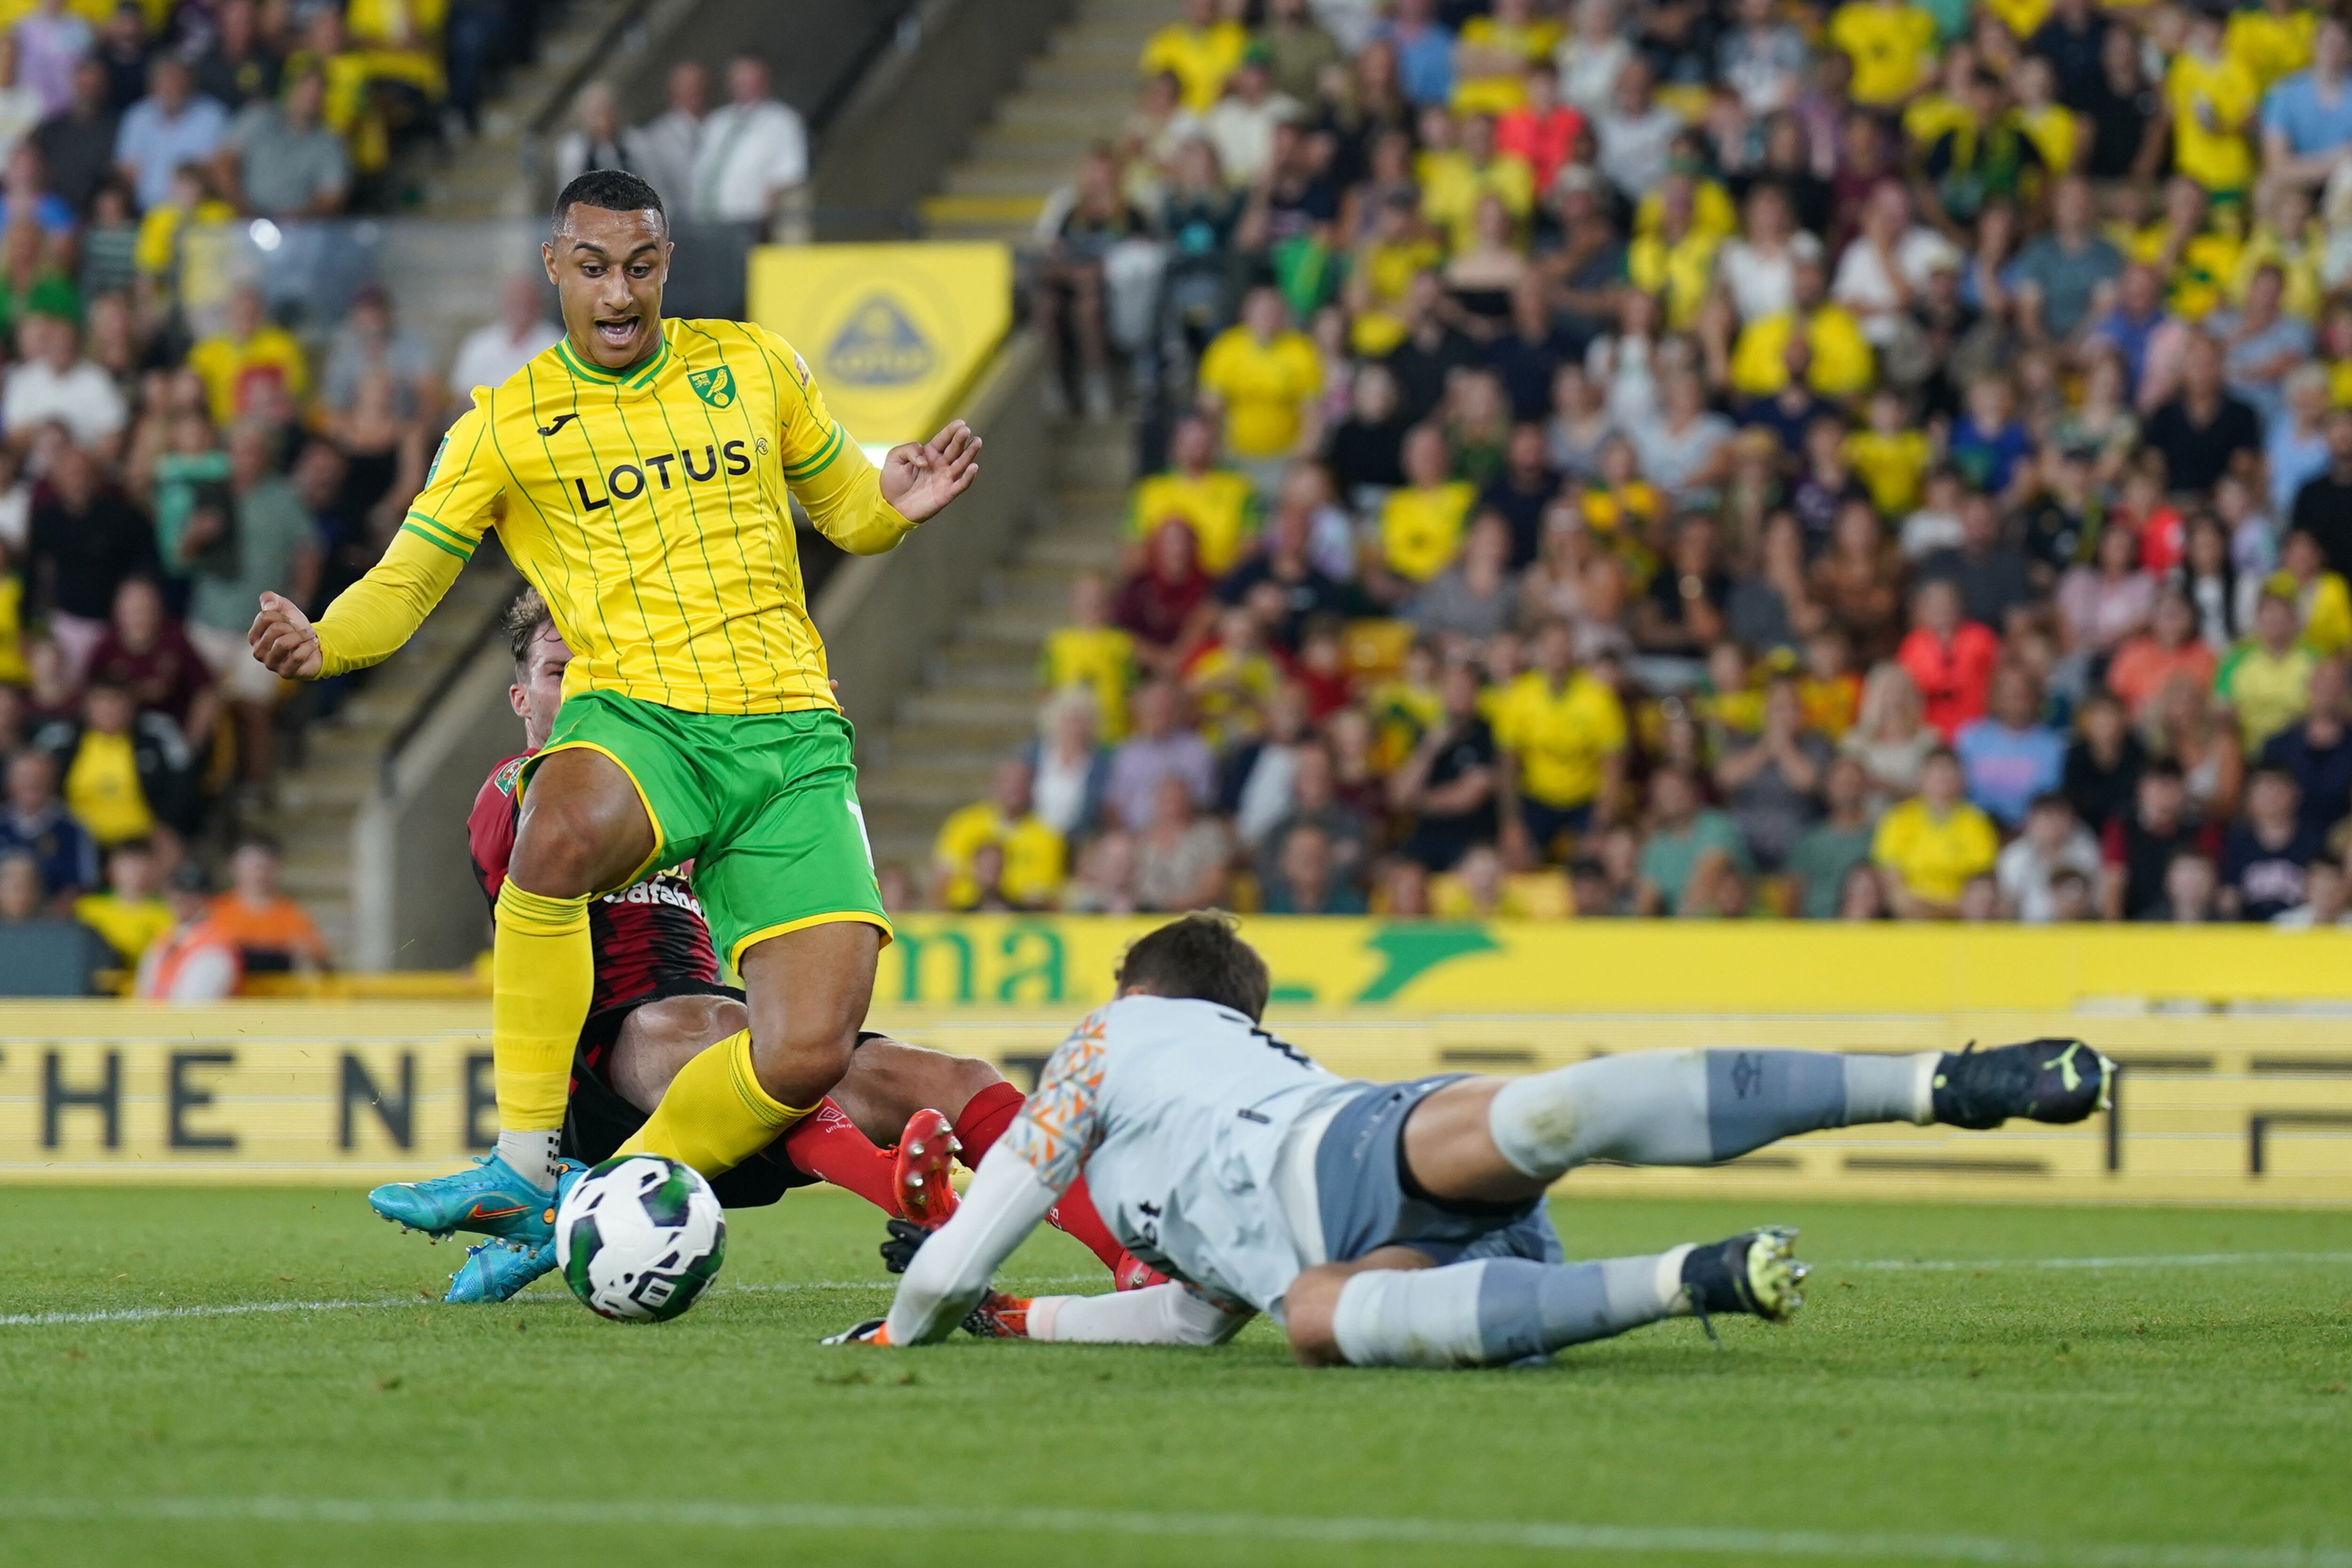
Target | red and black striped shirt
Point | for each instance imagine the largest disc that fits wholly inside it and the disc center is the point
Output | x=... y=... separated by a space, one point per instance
x=645 y=935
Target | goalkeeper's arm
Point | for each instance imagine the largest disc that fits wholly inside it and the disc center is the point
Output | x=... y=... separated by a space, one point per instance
x=1006 y=1200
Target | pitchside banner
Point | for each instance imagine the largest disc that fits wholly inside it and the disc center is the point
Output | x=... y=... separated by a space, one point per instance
x=1646 y=966
x=2238 y=1085
x=893 y=332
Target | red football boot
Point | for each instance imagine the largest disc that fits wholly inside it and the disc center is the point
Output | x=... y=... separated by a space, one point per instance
x=927 y=1150
x=999 y=1317
x=1134 y=1274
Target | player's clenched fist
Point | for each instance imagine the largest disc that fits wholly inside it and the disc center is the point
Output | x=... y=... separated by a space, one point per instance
x=283 y=640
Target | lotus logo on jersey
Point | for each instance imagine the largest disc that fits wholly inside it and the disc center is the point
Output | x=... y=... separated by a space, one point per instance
x=715 y=386
x=878 y=347
x=630 y=480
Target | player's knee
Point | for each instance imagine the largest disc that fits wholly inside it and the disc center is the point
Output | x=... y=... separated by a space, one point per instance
x=962 y=1077
x=660 y=1038
x=799 y=1067
x=558 y=851
x=1309 y=1308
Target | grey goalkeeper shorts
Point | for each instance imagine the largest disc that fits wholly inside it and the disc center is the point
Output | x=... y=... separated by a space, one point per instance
x=1366 y=1199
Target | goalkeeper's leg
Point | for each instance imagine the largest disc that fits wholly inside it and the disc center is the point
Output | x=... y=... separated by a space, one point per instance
x=1389 y=1309
x=1496 y=1140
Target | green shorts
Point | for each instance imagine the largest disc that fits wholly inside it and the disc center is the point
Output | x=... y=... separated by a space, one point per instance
x=765 y=804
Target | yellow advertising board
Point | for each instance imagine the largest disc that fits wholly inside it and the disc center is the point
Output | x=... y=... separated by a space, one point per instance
x=893 y=332
x=1729 y=967
x=2237 y=1045
x=2213 y=1109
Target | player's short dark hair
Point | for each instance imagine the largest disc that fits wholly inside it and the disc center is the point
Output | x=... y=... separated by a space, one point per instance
x=1200 y=957
x=522 y=624
x=607 y=190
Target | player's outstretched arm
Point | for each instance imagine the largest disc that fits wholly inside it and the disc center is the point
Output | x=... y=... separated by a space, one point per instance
x=1006 y=1200
x=920 y=478
x=284 y=640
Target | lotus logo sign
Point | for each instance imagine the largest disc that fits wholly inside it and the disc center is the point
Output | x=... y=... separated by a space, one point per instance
x=878 y=346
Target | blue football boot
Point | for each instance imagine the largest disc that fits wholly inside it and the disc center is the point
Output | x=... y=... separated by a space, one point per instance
x=487 y=1197
x=496 y=1270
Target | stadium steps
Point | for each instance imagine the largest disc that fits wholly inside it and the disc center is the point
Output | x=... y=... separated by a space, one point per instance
x=487 y=176
x=484 y=177
x=1075 y=94
x=979 y=703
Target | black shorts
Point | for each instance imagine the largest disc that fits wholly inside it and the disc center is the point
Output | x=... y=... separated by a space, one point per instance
x=597 y=1121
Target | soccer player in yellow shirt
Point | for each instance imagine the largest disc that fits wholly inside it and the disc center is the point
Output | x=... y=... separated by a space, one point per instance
x=637 y=473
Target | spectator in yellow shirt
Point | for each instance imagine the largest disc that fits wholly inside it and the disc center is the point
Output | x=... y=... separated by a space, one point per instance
x=1454 y=184
x=1892 y=45
x=1381 y=274
x=2273 y=40
x=1818 y=341
x=1422 y=520
x=1932 y=845
x=131 y=913
x=1677 y=264
x=1491 y=56
x=1262 y=375
x=1092 y=653
x=2057 y=132
x=2321 y=596
x=156 y=252
x=1562 y=740
x=1892 y=455
x=1033 y=852
x=1200 y=52
x=1220 y=504
x=2265 y=681
x=252 y=365
x=2212 y=98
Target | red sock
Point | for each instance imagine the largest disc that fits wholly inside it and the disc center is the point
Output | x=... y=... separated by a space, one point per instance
x=1074 y=1217
x=983 y=1119
x=827 y=1145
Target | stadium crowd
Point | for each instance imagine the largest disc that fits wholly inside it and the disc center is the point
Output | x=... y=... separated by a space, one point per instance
x=161 y=465
x=1862 y=459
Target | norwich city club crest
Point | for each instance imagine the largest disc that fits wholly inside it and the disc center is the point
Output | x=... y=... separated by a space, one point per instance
x=715 y=386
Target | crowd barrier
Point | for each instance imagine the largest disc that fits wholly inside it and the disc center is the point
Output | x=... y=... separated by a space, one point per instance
x=2237 y=1047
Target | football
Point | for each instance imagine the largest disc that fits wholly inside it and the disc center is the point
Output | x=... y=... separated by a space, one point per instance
x=639 y=1237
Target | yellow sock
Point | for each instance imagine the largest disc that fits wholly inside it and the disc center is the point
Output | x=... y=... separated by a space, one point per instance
x=542 y=978
x=714 y=1115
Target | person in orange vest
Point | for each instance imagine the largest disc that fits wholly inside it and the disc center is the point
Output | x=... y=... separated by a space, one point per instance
x=195 y=961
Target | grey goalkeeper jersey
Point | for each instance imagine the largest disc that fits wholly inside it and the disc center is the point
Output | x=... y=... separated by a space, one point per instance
x=1175 y=1111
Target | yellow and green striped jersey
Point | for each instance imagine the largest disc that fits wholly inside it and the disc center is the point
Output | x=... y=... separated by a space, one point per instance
x=650 y=508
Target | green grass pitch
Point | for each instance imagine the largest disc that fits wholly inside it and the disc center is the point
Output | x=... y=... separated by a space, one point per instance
x=2040 y=1392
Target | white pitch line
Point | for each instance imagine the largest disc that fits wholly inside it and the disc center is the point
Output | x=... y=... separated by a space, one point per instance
x=795 y=1287
x=2149 y=1260
x=1533 y=1535
x=244 y=1309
